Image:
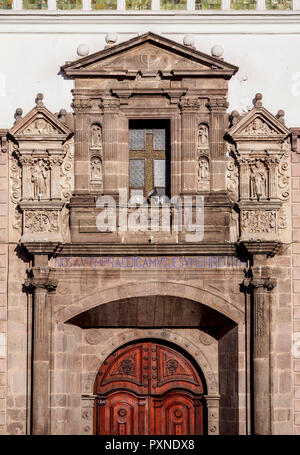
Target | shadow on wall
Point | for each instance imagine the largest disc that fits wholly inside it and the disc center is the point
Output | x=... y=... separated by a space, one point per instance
x=228 y=382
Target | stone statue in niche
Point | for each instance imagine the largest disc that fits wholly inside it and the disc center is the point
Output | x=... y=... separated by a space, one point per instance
x=96 y=136
x=203 y=172
x=39 y=179
x=203 y=168
x=203 y=136
x=258 y=181
x=96 y=169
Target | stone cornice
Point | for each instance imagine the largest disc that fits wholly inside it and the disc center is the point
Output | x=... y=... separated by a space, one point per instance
x=226 y=22
x=269 y=248
x=113 y=249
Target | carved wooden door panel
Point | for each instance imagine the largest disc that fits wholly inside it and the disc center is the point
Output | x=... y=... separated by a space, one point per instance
x=148 y=388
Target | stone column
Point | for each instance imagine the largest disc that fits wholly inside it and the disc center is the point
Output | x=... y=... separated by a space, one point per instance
x=110 y=108
x=27 y=163
x=55 y=166
x=41 y=284
x=260 y=286
x=189 y=108
x=212 y=403
x=244 y=179
x=81 y=106
x=272 y=164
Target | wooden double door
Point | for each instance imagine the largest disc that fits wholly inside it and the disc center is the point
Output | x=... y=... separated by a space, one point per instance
x=148 y=388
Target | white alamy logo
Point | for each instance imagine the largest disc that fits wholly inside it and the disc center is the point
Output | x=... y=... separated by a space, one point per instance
x=152 y=215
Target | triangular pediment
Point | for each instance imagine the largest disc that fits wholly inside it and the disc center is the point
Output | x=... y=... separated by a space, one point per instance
x=40 y=123
x=148 y=53
x=258 y=124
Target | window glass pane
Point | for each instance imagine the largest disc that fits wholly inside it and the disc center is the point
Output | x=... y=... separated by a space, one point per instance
x=68 y=4
x=159 y=140
x=136 y=173
x=159 y=173
x=138 y=4
x=6 y=4
x=243 y=4
x=172 y=4
x=104 y=4
x=279 y=4
x=35 y=4
x=137 y=139
x=208 y=4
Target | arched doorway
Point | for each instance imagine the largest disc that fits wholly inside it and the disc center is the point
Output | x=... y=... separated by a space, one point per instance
x=148 y=388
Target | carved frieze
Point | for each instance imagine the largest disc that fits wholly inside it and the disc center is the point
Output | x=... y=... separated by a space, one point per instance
x=259 y=221
x=41 y=221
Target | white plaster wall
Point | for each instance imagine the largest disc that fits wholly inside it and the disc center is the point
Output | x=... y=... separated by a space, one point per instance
x=33 y=47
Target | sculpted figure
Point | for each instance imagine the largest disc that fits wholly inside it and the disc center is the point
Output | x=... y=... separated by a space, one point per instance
x=203 y=169
x=202 y=135
x=39 y=177
x=258 y=180
x=96 y=135
x=96 y=169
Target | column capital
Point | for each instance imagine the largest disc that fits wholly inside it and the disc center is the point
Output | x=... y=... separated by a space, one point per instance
x=189 y=105
x=250 y=284
x=110 y=105
x=41 y=279
x=218 y=105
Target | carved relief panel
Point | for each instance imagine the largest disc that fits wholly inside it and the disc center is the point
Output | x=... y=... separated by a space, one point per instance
x=41 y=162
x=258 y=174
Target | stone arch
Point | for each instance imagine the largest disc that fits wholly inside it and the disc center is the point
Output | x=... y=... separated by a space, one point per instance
x=165 y=288
x=160 y=334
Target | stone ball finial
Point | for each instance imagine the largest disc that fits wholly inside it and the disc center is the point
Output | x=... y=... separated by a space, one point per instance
x=234 y=117
x=111 y=38
x=18 y=114
x=39 y=100
x=62 y=115
x=280 y=115
x=188 y=40
x=257 y=100
x=217 y=51
x=83 y=50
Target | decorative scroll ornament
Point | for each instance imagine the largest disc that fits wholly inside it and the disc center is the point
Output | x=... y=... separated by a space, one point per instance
x=15 y=178
x=16 y=191
x=232 y=175
x=41 y=220
x=259 y=221
x=283 y=219
x=66 y=185
x=258 y=128
x=284 y=179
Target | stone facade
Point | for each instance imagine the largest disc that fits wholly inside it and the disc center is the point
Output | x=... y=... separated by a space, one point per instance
x=229 y=300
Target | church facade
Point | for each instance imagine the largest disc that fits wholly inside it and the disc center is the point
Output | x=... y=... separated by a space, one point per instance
x=119 y=318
